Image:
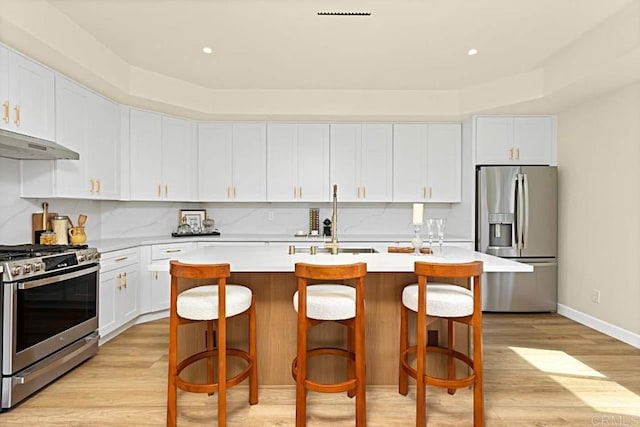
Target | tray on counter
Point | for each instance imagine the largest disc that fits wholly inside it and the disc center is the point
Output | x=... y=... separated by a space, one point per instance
x=213 y=233
x=407 y=250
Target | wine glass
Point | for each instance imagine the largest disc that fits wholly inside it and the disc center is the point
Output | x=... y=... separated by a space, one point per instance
x=441 y=224
x=416 y=241
x=430 y=223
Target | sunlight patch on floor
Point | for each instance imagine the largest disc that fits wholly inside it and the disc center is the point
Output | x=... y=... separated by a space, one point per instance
x=583 y=381
x=554 y=361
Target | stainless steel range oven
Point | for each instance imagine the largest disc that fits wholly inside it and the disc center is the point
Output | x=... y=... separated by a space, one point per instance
x=48 y=315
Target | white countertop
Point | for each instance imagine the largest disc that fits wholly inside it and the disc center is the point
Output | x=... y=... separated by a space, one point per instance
x=114 y=244
x=277 y=259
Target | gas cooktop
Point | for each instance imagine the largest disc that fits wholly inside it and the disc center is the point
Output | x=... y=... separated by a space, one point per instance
x=13 y=252
x=28 y=261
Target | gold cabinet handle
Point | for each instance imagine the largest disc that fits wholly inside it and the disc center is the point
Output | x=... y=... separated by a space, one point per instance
x=170 y=251
x=166 y=190
x=93 y=184
x=300 y=191
x=358 y=191
x=511 y=153
x=17 y=120
x=364 y=192
x=99 y=186
x=430 y=192
x=518 y=153
x=5 y=117
x=295 y=194
x=122 y=258
x=424 y=192
x=235 y=192
x=119 y=281
x=159 y=190
x=228 y=192
x=156 y=274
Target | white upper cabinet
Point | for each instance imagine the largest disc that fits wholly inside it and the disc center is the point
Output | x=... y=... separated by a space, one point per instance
x=298 y=162
x=163 y=157
x=361 y=161
x=90 y=125
x=232 y=162
x=427 y=162
x=504 y=140
x=27 y=96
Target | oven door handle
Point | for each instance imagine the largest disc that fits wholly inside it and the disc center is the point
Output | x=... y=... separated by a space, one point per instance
x=55 y=279
x=73 y=351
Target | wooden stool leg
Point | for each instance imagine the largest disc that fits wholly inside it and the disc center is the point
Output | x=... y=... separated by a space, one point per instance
x=351 y=372
x=210 y=364
x=253 y=378
x=478 y=393
x=172 y=398
x=301 y=367
x=361 y=386
x=420 y=365
x=451 y=362
x=222 y=371
x=403 y=385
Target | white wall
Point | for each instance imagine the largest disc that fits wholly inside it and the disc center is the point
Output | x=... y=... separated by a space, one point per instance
x=599 y=211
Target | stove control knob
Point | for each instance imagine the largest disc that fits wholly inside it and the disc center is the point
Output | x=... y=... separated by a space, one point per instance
x=38 y=266
x=81 y=258
x=28 y=268
x=17 y=270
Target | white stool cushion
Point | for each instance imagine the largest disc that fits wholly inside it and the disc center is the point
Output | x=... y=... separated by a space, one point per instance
x=329 y=302
x=201 y=302
x=443 y=300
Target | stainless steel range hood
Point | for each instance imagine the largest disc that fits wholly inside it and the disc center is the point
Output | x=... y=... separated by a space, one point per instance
x=23 y=147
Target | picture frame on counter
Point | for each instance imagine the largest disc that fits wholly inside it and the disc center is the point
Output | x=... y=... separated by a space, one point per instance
x=194 y=217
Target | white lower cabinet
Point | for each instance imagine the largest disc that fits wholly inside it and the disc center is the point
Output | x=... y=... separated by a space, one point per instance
x=119 y=297
x=161 y=280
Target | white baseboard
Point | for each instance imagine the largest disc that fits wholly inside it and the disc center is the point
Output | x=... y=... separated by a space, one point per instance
x=600 y=326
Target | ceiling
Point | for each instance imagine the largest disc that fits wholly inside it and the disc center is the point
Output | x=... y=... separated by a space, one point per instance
x=283 y=45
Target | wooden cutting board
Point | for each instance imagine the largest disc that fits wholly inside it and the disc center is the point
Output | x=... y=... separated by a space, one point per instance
x=36 y=224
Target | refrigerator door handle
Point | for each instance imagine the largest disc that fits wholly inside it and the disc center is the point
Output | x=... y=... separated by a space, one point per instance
x=515 y=234
x=525 y=235
x=520 y=211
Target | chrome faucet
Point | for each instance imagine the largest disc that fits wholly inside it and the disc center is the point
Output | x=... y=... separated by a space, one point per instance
x=333 y=244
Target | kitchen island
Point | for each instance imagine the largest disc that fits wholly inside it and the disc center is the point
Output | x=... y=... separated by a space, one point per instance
x=268 y=271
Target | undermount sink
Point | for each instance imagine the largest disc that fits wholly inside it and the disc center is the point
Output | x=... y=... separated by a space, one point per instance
x=354 y=251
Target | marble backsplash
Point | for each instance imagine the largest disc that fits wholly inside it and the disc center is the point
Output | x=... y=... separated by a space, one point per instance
x=112 y=219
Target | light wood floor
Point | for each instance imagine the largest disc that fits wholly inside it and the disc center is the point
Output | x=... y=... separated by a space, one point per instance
x=540 y=370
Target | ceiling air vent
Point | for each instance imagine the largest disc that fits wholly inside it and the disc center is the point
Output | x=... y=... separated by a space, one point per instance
x=344 y=13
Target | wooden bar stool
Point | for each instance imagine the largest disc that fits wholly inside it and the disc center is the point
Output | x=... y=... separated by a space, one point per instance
x=210 y=303
x=341 y=303
x=455 y=304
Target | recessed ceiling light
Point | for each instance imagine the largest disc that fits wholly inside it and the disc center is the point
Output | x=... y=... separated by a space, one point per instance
x=472 y=52
x=207 y=49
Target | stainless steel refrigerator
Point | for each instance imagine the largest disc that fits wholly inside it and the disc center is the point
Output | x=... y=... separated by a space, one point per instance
x=517 y=218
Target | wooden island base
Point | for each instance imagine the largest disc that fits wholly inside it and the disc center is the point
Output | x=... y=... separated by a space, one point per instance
x=276 y=331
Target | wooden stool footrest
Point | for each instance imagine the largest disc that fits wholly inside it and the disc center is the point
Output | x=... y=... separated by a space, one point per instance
x=440 y=382
x=213 y=387
x=326 y=387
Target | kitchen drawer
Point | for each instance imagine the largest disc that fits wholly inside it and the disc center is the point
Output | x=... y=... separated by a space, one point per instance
x=118 y=259
x=170 y=250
